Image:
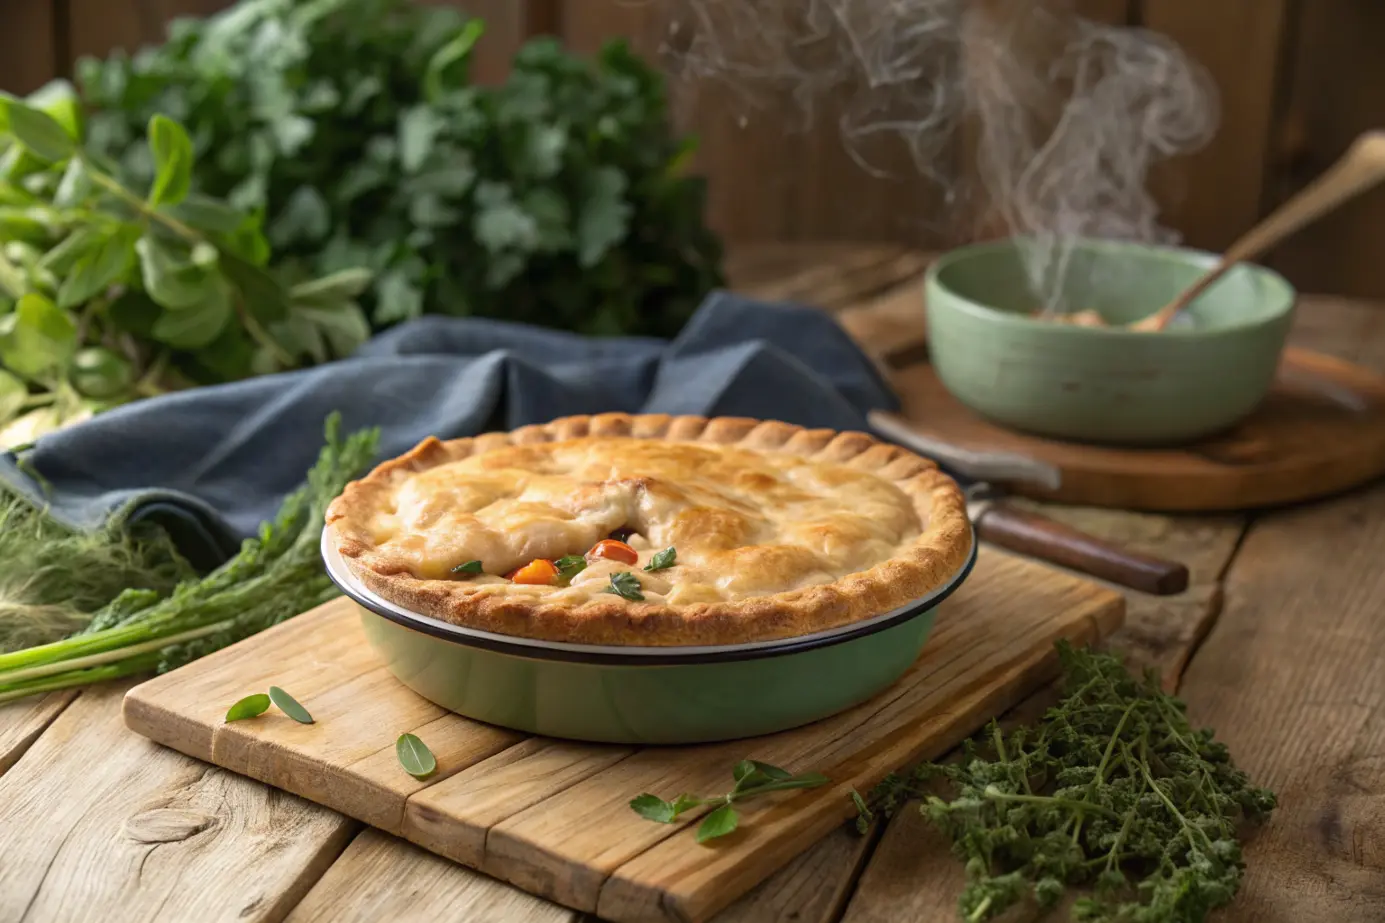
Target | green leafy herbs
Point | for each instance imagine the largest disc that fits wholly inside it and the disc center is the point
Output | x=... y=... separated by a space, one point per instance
x=52 y=578
x=275 y=576
x=289 y=705
x=1113 y=791
x=570 y=566
x=111 y=290
x=468 y=568
x=627 y=586
x=663 y=559
x=751 y=777
x=557 y=198
x=414 y=755
x=252 y=706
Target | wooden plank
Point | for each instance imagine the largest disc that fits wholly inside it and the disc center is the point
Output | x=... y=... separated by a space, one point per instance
x=1212 y=196
x=553 y=816
x=382 y=878
x=509 y=24
x=97 y=27
x=28 y=46
x=812 y=888
x=1112 y=12
x=1291 y=677
x=1335 y=44
x=98 y=824
x=343 y=677
x=23 y=721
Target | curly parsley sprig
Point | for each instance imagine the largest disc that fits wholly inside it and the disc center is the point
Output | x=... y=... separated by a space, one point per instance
x=1113 y=790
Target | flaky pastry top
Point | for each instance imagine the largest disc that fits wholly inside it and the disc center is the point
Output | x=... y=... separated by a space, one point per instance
x=778 y=530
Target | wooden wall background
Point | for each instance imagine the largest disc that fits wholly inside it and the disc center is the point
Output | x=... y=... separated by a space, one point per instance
x=1298 y=81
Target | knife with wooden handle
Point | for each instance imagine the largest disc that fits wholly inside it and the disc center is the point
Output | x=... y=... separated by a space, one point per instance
x=1030 y=533
x=1049 y=540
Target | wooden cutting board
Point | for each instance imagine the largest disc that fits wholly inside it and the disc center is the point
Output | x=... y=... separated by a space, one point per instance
x=1320 y=430
x=552 y=816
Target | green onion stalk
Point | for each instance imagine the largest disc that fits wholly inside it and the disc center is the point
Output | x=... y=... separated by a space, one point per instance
x=275 y=576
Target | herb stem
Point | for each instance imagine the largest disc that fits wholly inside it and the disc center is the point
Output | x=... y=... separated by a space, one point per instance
x=996 y=794
x=112 y=656
x=262 y=336
x=980 y=912
x=779 y=785
x=1188 y=828
x=38 y=400
x=71 y=678
x=120 y=192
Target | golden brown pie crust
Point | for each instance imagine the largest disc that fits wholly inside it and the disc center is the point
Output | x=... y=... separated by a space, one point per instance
x=921 y=563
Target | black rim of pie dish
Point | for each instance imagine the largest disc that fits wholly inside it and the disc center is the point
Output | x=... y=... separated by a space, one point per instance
x=613 y=655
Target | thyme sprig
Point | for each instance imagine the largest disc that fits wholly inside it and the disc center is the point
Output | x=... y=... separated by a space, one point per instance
x=1113 y=790
x=752 y=778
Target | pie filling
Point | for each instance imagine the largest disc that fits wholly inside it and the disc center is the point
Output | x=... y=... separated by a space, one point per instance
x=640 y=520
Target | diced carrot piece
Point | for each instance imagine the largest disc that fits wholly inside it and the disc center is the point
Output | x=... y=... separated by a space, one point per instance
x=613 y=550
x=538 y=572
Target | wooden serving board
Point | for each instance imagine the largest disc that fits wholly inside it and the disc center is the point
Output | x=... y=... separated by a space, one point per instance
x=1320 y=430
x=552 y=816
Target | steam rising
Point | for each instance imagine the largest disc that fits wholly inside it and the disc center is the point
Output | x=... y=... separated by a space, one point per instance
x=1029 y=119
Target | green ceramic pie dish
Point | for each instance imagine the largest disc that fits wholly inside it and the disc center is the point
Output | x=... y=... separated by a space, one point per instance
x=642 y=695
x=1106 y=384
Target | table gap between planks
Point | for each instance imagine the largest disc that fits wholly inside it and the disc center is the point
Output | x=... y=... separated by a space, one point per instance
x=1276 y=644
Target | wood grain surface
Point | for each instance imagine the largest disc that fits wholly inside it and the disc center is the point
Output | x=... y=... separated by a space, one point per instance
x=93 y=814
x=23 y=721
x=552 y=816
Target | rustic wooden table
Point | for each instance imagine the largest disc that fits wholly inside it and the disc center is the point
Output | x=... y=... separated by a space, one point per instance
x=1279 y=644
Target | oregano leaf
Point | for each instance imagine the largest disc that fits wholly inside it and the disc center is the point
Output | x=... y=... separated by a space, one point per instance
x=652 y=807
x=663 y=559
x=39 y=132
x=717 y=824
x=289 y=705
x=627 y=586
x=248 y=707
x=570 y=566
x=414 y=755
x=172 y=150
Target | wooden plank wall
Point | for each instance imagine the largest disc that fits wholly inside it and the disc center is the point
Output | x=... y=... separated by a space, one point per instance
x=1297 y=82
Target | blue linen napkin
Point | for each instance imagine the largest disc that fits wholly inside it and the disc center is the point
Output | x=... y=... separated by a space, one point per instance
x=210 y=464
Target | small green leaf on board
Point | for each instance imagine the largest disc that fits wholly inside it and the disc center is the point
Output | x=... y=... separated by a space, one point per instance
x=249 y=707
x=414 y=755
x=289 y=705
x=652 y=807
x=719 y=823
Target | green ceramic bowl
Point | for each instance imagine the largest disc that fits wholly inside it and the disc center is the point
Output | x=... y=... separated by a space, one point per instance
x=1105 y=384
x=642 y=695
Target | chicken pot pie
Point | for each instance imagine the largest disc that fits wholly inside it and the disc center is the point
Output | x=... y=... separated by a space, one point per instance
x=654 y=530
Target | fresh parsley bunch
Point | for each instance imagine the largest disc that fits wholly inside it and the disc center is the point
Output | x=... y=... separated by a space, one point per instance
x=557 y=198
x=111 y=290
x=1112 y=790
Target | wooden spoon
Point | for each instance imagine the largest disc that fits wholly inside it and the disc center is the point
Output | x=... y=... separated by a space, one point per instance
x=1360 y=168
